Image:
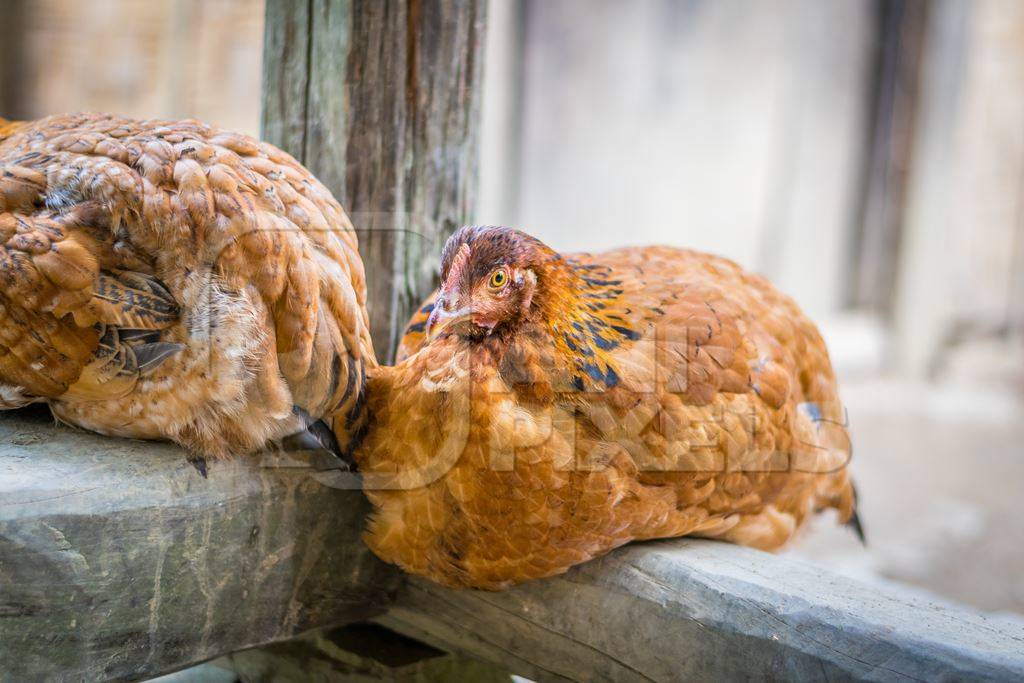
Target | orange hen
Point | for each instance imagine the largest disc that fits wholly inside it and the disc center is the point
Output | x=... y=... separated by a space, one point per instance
x=547 y=408
x=171 y=280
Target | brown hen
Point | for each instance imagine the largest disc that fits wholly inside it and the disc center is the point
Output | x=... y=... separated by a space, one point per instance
x=171 y=280
x=547 y=408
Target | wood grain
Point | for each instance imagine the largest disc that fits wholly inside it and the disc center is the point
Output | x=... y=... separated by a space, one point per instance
x=692 y=610
x=380 y=100
x=119 y=562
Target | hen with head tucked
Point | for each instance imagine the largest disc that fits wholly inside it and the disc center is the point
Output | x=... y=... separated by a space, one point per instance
x=547 y=407
x=169 y=280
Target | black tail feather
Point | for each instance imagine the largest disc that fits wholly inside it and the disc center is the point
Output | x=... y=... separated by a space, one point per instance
x=198 y=462
x=854 y=521
x=317 y=435
x=858 y=528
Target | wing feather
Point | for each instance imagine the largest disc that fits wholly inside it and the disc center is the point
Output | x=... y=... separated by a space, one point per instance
x=415 y=336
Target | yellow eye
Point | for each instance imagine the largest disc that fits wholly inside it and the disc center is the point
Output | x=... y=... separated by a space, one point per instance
x=499 y=279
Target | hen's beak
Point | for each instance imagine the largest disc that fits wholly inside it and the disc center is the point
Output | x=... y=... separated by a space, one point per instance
x=441 y=320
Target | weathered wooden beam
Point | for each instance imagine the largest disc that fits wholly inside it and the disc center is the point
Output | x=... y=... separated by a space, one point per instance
x=695 y=610
x=380 y=100
x=358 y=652
x=119 y=561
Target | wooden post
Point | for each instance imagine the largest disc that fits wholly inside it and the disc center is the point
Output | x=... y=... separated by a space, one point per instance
x=380 y=100
x=12 y=59
x=877 y=238
x=963 y=214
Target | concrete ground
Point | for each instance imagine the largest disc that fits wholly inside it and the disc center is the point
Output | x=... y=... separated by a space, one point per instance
x=940 y=472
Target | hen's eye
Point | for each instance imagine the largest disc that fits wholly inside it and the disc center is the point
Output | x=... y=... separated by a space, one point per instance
x=498 y=279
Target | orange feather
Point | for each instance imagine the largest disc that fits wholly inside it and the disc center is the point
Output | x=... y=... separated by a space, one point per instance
x=642 y=393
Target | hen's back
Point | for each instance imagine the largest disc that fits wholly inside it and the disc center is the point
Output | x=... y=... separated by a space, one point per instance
x=172 y=280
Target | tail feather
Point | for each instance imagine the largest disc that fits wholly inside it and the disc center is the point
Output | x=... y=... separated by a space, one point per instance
x=316 y=435
x=854 y=521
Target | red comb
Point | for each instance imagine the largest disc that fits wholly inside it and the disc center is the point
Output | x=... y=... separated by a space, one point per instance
x=455 y=269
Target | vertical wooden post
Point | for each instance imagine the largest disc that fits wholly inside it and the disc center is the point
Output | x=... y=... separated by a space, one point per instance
x=959 y=273
x=12 y=59
x=380 y=100
x=878 y=235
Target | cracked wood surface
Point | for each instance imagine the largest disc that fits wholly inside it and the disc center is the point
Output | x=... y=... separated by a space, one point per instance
x=119 y=561
x=698 y=610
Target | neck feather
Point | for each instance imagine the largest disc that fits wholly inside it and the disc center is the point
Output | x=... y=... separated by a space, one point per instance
x=579 y=312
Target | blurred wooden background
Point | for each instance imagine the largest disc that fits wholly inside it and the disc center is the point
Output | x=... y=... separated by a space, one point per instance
x=867 y=155
x=143 y=58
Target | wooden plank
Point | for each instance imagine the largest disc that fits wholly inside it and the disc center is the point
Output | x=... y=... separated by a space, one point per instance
x=988 y=185
x=163 y=59
x=818 y=161
x=118 y=561
x=383 y=108
x=697 y=610
x=357 y=652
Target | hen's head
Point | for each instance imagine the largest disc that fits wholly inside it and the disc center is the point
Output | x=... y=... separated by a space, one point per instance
x=492 y=279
